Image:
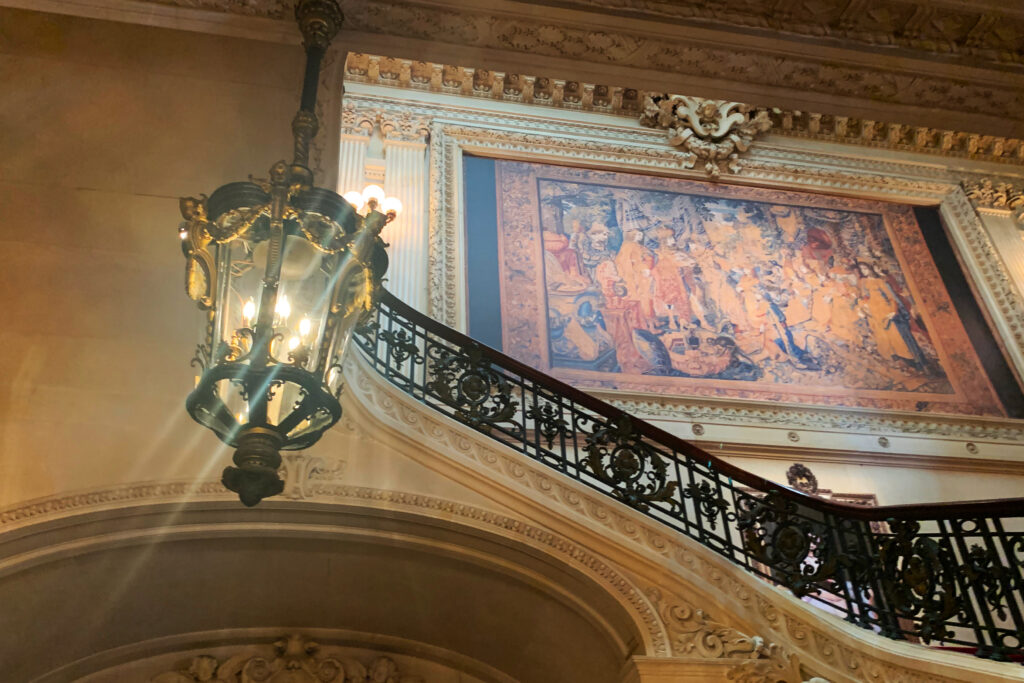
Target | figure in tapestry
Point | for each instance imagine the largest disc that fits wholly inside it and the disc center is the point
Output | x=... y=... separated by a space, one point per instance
x=669 y=284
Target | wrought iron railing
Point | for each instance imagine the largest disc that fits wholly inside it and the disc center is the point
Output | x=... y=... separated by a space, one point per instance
x=950 y=573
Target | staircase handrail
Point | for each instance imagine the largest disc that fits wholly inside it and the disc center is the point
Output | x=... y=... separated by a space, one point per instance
x=950 y=572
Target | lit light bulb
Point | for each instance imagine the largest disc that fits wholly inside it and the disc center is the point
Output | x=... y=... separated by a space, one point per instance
x=183 y=234
x=304 y=327
x=391 y=205
x=293 y=343
x=283 y=308
x=248 y=312
x=373 y=195
x=355 y=199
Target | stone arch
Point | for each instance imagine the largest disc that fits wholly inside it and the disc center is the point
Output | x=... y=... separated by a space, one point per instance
x=517 y=598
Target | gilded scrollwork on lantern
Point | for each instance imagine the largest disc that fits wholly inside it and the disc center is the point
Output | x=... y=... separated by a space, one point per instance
x=195 y=240
x=618 y=456
x=715 y=132
x=285 y=270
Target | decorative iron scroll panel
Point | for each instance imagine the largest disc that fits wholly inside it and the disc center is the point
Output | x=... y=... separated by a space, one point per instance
x=951 y=574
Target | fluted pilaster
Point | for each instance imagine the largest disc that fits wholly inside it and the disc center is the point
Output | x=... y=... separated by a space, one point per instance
x=351 y=162
x=405 y=177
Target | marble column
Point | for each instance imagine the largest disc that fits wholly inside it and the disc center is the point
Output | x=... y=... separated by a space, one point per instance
x=406 y=177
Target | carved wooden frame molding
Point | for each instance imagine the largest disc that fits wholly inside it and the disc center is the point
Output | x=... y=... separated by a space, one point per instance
x=772 y=162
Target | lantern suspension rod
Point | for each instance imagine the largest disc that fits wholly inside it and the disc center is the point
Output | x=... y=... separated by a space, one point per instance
x=319 y=21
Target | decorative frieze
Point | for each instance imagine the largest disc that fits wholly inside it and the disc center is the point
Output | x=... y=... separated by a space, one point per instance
x=628 y=102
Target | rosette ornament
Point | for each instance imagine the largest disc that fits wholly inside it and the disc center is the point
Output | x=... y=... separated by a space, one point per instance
x=284 y=271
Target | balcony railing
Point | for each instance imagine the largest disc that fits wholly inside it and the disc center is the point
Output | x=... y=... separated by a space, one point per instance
x=950 y=573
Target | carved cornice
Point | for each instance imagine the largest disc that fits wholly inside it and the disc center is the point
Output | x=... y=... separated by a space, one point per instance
x=628 y=102
x=543 y=36
x=986 y=31
x=645 y=51
x=270 y=9
x=814 y=419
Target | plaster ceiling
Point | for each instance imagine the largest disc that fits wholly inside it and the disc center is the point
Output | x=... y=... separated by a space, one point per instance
x=945 y=63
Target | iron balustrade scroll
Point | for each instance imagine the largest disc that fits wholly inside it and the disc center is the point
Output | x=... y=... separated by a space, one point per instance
x=950 y=573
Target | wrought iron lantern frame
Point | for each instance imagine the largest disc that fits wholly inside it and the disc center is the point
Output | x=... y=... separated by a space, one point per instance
x=289 y=388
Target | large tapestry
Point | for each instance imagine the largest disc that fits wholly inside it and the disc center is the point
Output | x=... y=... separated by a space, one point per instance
x=649 y=284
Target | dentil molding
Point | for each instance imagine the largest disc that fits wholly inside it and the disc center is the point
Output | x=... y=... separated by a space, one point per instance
x=629 y=103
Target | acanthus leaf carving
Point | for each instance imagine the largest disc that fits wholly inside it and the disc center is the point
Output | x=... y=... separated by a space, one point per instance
x=774 y=666
x=986 y=194
x=693 y=633
x=714 y=131
x=395 y=123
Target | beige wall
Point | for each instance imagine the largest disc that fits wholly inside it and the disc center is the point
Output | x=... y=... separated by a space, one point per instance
x=102 y=127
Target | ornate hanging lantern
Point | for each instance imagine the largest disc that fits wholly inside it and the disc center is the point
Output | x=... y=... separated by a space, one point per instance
x=284 y=271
